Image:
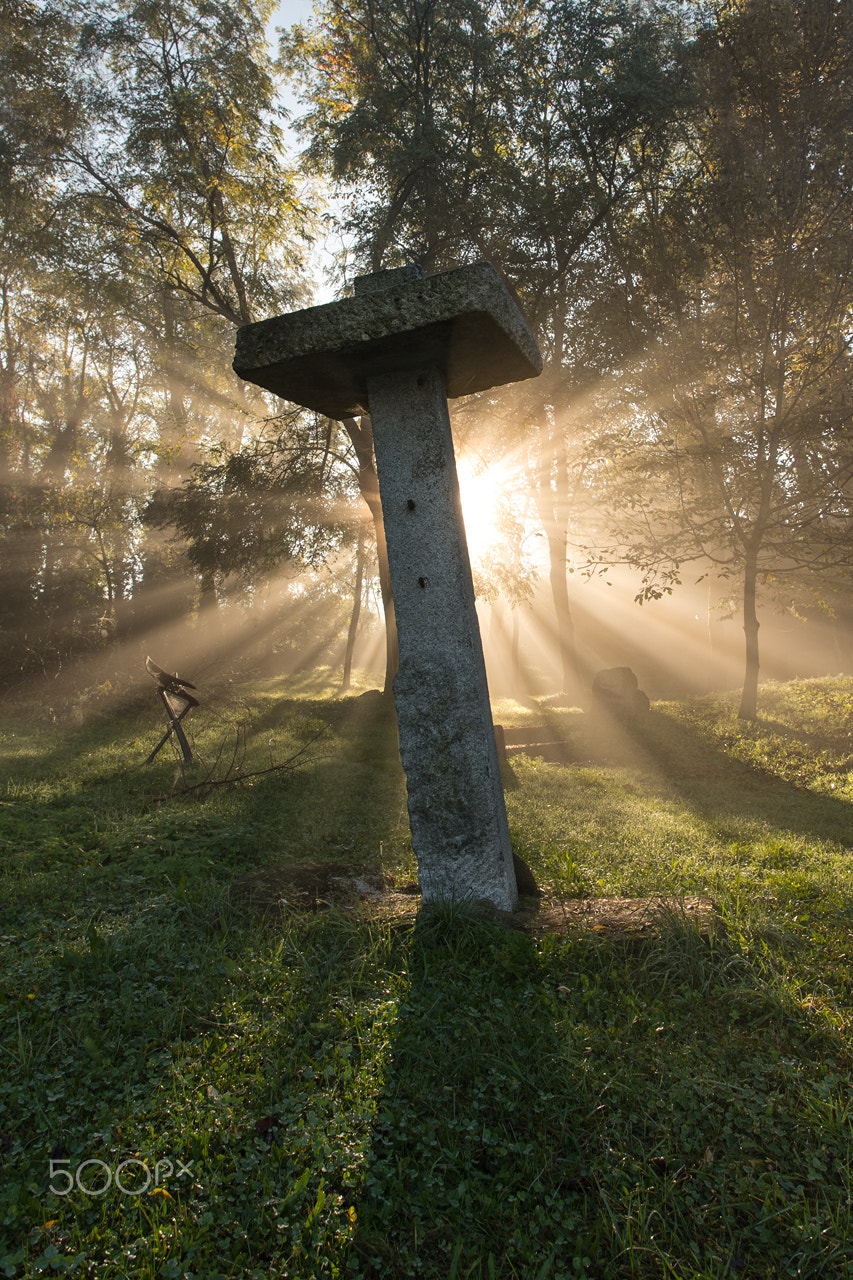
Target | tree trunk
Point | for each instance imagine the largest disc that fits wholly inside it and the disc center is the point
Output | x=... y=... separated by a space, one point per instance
x=356 y=613
x=109 y=581
x=361 y=436
x=748 y=709
x=553 y=505
x=208 y=644
x=565 y=624
x=174 y=393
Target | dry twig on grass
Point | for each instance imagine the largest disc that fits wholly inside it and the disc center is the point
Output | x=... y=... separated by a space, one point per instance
x=233 y=776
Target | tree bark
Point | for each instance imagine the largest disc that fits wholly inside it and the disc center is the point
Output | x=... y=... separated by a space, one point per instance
x=552 y=501
x=361 y=436
x=748 y=709
x=563 y=610
x=208 y=623
x=517 y=686
x=356 y=613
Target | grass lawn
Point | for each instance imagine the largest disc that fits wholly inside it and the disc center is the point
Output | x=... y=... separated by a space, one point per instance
x=189 y=1092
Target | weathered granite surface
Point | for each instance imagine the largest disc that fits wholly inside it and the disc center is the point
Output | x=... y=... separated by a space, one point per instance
x=463 y=321
x=397 y=350
x=447 y=742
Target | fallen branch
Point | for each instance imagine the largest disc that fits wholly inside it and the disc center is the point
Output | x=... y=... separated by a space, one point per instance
x=234 y=779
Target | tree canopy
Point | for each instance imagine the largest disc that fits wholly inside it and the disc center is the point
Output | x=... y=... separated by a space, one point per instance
x=735 y=423
x=148 y=207
x=665 y=189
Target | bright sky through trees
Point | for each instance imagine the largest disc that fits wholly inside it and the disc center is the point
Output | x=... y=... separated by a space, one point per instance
x=287 y=12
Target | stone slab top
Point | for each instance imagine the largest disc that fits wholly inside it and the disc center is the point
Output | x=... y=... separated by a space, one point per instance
x=464 y=320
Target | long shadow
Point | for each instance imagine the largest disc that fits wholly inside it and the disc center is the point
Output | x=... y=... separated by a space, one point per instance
x=122 y=1045
x=466 y=1141
x=355 y=803
x=344 y=800
x=713 y=784
x=675 y=756
x=116 y=1105
x=581 y=1110
x=563 y=1110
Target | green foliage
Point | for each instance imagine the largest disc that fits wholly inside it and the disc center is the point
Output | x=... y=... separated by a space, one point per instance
x=404 y=106
x=335 y=1095
x=188 y=156
x=245 y=512
x=730 y=428
x=145 y=207
x=467 y=129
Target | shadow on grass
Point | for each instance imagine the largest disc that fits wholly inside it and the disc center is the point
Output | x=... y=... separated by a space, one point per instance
x=344 y=801
x=346 y=805
x=674 y=756
x=356 y=1099
x=446 y=1102
x=471 y=1153
x=112 y=1017
x=714 y=785
x=587 y=1111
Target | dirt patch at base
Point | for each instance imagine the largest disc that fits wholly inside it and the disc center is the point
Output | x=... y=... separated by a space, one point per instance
x=624 y=917
x=309 y=886
x=279 y=890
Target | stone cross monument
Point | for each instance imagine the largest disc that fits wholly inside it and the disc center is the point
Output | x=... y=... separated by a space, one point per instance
x=397 y=351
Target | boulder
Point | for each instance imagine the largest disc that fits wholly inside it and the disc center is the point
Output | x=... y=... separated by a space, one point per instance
x=616 y=690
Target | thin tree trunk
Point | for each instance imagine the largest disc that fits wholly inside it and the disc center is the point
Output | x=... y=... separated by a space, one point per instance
x=516 y=658
x=356 y=613
x=552 y=501
x=108 y=573
x=174 y=392
x=749 y=697
x=565 y=624
x=361 y=436
x=208 y=623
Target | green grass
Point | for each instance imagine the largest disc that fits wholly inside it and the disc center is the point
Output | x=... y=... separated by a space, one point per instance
x=335 y=1097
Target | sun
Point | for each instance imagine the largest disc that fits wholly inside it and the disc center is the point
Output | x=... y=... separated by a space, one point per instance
x=480 y=492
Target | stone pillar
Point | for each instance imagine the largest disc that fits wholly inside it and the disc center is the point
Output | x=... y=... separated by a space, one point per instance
x=397 y=350
x=447 y=741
